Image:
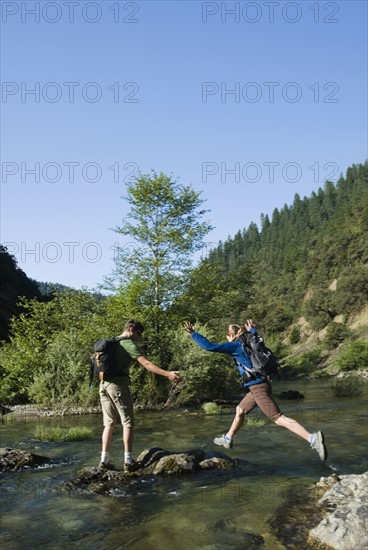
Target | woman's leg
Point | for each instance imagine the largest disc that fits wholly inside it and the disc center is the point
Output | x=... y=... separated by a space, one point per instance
x=245 y=406
x=263 y=398
x=293 y=426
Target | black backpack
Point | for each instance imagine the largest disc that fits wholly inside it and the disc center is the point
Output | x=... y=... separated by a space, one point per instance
x=103 y=360
x=264 y=361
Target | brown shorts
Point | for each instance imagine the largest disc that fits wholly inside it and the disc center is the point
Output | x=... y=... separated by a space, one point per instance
x=117 y=404
x=261 y=395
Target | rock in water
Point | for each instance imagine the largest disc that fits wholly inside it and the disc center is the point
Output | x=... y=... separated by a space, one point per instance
x=16 y=459
x=345 y=526
x=156 y=462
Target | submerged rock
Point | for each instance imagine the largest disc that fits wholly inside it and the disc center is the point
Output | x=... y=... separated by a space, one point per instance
x=291 y=394
x=344 y=526
x=16 y=459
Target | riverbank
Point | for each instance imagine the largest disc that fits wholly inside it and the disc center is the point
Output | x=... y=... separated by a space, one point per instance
x=21 y=411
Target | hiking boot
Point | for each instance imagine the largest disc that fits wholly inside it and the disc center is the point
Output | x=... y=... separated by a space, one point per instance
x=318 y=445
x=131 y=466
x=224 y=441
x=106 y=466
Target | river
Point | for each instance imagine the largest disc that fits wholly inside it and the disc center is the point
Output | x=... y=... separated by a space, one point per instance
x=191 y=512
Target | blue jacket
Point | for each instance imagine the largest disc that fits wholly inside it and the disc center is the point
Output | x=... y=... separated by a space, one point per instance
x=235 y=349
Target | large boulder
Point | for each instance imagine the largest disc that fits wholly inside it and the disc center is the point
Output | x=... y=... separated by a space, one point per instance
x=345 y=503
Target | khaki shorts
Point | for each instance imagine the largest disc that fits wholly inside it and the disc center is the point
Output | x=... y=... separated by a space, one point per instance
x=117 y=404
x=261 y=395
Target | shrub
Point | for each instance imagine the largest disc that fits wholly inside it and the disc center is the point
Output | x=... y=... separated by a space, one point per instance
x=335 y=335
x=305 y=363
x=354 y=356
x=205 y=376
x=347 y=387
x=64 y=378
x=294 y=336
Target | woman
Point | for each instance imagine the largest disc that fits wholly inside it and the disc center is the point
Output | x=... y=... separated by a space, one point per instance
x=258 y=390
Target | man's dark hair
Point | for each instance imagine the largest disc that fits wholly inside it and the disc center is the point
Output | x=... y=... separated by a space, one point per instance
x=135 y=325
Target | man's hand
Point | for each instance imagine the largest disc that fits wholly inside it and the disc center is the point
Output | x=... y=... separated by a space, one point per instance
x=189 y=327
x=174 y=376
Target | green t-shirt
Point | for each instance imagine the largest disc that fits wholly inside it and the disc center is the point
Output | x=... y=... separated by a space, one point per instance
x=126 y=352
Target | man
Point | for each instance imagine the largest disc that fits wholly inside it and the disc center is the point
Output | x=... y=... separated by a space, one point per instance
x=115 y=396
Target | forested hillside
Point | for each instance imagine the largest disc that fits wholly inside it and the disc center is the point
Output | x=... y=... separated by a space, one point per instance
x=309 y=259
x=13 y=283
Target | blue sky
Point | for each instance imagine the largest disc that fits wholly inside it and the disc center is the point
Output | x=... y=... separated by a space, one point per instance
x=250 y=102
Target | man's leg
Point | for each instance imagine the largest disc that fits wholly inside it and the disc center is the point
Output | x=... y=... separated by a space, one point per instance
x=128 y=439
x=124 y=405
x=106 y=438
x=109 y=421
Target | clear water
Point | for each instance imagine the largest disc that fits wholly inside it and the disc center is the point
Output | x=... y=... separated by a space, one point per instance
x=193 y=512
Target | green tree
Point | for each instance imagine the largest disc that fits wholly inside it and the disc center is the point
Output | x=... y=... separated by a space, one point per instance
x=165 y=224
x=319 y=308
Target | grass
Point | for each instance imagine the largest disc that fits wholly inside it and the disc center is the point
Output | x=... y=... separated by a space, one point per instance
x=59 y=434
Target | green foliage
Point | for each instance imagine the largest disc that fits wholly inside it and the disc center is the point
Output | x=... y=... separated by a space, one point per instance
x=347 y=387
x=319 y=308
x=274 y=342
x=65 y=377
x=47 y=357
x=76 y=433
x=206 y=376
x=305 y=363
x=354 y=356
x=351 y=291
x=294 y=335
x=336 y=333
